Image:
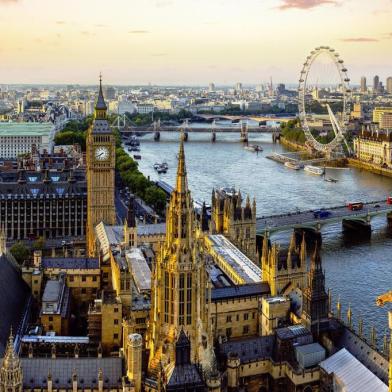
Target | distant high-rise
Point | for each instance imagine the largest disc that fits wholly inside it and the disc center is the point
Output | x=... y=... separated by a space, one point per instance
x=211 y=88
x=238 y=86
x=363 y=84
x=376 y=82
x=110 y=93
x=389 y=85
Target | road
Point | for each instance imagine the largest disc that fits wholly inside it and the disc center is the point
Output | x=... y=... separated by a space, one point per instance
x=306 y=218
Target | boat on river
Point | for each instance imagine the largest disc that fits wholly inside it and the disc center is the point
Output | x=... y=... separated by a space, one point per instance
x=292 y=165
x=253 y=148
x=161 y=167
x=317 y=171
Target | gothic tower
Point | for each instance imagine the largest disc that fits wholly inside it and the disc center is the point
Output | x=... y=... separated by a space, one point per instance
x=235 y=222
x=179 y=286
x=100 y=156
x=284 y=272
x=11 y=376
x=315 y=298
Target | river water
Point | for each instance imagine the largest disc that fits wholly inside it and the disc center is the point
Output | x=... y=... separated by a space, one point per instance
x=356 y=272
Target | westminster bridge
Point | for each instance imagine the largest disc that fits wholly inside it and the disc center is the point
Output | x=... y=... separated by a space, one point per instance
x=310 y=221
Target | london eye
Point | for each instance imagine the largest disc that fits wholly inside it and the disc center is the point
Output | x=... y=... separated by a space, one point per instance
x=324 y=86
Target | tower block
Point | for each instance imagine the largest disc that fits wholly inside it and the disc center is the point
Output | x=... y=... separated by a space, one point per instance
x=101 y=159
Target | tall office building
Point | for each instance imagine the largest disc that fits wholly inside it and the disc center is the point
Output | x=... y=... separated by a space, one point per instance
x=363 y=84
x=389 y=85
x=376 y=83
x=211 y=88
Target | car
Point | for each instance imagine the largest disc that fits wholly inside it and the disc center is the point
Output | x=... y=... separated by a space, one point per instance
x=320 y=214
x=377 y=206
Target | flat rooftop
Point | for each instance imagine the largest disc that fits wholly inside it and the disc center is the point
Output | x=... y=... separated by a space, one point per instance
x=350 y=374
x=248 y=271
x=25 y=129
x=139 y=268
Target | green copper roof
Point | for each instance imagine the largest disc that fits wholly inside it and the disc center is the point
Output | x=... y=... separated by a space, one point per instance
x=25 y=129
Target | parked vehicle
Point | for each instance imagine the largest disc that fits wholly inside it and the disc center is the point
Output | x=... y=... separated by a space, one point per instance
x=320 y=214
x=355 y=206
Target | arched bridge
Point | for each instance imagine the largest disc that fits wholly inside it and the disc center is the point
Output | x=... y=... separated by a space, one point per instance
x=313 y=219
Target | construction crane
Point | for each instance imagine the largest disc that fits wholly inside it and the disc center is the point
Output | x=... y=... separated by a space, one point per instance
x=381 y=301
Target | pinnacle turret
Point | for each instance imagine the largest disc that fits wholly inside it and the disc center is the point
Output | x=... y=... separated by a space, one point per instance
x=181 y=182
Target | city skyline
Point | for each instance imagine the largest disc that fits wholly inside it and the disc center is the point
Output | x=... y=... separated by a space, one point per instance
x=187 y=43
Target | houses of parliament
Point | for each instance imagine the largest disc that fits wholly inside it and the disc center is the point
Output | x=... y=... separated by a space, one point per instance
x=186 y=305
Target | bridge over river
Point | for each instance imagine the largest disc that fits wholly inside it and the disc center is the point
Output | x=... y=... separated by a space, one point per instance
x=306 y=220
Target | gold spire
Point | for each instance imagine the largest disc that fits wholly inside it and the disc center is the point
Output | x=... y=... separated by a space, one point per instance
x=11 y=359
x=349 y=316
x=181 y=184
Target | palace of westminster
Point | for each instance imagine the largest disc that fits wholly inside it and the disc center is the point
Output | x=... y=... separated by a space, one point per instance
x=193 y=304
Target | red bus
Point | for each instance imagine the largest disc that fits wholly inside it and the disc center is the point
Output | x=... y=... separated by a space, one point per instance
x=389 y=200
x=355 y=206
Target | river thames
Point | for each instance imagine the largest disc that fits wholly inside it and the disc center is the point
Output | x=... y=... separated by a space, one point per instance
x=357 y=272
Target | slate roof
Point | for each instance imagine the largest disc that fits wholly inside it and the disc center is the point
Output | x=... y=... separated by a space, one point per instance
x=151 y=229
x=101 y=126
x=292 y=332
x=32 y=184
x=250 y=349
x=244 y=290
x=35 y=372
x=14 y=294
x=70 y=262
x=185 y=376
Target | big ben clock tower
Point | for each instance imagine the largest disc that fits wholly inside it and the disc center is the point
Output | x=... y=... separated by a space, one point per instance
x=100 y=156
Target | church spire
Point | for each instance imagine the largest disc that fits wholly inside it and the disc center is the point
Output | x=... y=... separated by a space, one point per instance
x=181 y=183
x=100 y=105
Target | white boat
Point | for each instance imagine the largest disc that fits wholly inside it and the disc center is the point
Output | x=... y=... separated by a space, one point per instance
x=292 y=165
x=318 y=171
x=253 y=148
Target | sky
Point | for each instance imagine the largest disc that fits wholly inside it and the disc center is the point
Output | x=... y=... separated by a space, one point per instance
x=190 y=42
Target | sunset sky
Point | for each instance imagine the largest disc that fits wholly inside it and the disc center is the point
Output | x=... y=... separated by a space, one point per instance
x=188 y=41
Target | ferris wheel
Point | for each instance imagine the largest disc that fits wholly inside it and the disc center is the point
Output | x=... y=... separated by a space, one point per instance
x=339 y=123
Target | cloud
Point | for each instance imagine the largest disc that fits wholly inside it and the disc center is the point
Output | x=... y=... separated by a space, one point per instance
x=359 y=39
x=159 y=54
x=8 y=1
x=138 y=32
x=61 y=22
x=304 y=4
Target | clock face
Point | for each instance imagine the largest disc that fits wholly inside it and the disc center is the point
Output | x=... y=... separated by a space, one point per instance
x=101 y=153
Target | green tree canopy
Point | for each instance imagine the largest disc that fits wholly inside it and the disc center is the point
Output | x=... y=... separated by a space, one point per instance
x=20 y=252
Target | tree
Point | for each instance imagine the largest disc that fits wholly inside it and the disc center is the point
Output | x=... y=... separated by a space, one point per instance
x=20 y=252
x=39 y=243
x=155 y=197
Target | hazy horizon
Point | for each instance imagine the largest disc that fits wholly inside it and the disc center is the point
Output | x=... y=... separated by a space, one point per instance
x=187 y=42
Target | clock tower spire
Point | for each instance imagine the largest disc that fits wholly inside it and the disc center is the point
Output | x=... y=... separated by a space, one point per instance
x=100 y=157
